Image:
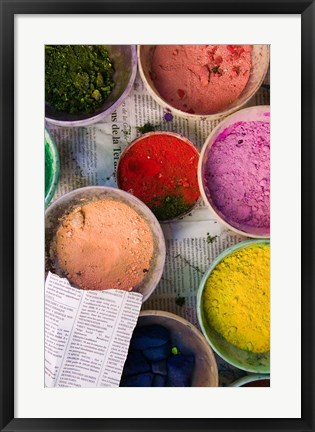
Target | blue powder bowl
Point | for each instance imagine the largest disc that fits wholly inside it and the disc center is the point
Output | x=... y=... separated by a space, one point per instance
x=189 y=340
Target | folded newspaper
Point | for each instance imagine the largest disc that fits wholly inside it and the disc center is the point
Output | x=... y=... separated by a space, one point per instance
x=87 y=334
x=89 y=156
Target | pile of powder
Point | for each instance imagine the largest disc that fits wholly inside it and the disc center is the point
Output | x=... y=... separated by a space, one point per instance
x=201 y=79
x=236 y=298
x=104 y=244
x=258 y=383
x=237 y=176
x=161 y=170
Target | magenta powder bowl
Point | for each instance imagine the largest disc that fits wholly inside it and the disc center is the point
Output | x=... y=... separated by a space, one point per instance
x=234 y=172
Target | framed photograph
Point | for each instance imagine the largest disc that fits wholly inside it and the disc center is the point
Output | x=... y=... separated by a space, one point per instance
x=181 y=255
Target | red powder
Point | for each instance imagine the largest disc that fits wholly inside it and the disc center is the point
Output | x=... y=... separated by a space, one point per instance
x=161 y=170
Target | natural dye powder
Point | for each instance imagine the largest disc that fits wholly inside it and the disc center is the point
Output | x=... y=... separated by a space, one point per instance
x=48 y=168
x=78 y=78
x=161 y=170
x=104 y=244
x=52 y=168
x=200 y=79
x=237 y=176
x=236 y=299
x=258 y=383
x=154 y=361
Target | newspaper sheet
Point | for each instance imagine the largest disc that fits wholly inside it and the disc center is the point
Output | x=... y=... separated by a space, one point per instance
x=87 y=334
x=89 y=156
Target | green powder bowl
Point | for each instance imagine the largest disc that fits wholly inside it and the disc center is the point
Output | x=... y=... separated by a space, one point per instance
x=52 y=167
x=248 y=361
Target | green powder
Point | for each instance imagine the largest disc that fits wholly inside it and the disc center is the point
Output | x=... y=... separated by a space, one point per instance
x=78 y=78
x=147 y=127
x=48 y=168
x=171 y=207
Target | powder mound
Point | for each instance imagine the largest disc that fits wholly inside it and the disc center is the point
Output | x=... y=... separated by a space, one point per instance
x=236 y=298
x=105 y=244
x=201 y=79
x=161 y=170
x=237 y=176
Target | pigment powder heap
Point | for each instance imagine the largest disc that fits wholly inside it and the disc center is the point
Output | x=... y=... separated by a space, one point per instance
x=105 y=244
x=48 y=168
x=236 y=299
x=154 y=361
x=258 y=383
x=161 y=170
x=237 y=176
x=78 y=78
x=201 y=79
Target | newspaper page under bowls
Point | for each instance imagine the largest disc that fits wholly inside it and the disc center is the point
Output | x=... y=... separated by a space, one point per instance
x=89 y=156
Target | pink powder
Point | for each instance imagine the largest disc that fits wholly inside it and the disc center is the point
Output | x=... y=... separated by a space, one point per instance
x=201 y=79
x=237 y=176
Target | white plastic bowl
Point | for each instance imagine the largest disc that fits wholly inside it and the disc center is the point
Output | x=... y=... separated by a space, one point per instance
x=245 y=360
x=249 y=379
x=259 y=69
x=256 y=113
x=163 y=133
x=188 y=339
x=52 y=165
x=124 y=58
x=68 y=202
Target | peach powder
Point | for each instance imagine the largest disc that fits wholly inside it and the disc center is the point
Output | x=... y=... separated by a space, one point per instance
x=105 y=244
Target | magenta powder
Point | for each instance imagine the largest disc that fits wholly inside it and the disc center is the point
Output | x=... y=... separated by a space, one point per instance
x=237 y=176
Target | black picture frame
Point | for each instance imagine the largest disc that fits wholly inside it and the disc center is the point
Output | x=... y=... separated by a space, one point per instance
x=7 y=11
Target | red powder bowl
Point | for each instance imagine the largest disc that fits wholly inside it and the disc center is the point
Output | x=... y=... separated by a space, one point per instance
x=252 y=380
x=160 y=168
x=258 y=383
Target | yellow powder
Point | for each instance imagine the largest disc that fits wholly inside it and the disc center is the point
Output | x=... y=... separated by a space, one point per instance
x=236 y=298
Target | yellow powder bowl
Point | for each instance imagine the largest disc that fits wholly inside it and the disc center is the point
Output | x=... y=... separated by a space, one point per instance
x=253 y=356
